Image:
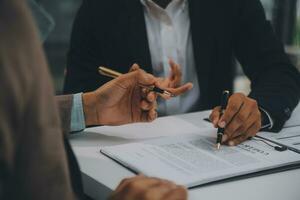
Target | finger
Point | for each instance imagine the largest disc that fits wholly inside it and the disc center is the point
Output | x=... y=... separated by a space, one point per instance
x=178 y=91
x=158 y=191
x=126 y=181
x=152 y=115
x=135 y=78
x=215 y=116
x=234 y=104
x=252 y=119
x=139 y=186
x=252 y=131
x=145 y=92
x=172 y=69
x=145 y=78
x=144 y=116
x=239 y=122
x=178 y=77
x=175 y=75
x=238 y=140
x=151 y=97
x=134 y=67
x=162 y=82
x=146 y=106
x=179 y=193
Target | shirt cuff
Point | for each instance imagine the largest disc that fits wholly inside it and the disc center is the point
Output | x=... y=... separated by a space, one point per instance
x=270 y=123
x=77 y=115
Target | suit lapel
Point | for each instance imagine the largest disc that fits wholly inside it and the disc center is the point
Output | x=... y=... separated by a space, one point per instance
x=202 y=28
x=138 y=41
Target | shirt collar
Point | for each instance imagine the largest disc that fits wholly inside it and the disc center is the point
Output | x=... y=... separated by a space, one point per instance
x=174 y=4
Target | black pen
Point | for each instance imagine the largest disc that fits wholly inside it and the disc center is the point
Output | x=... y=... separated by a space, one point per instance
x=224 y=99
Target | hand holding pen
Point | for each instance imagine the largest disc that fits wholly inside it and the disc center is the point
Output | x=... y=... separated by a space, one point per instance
x=169 y=92
x=221 y=130
x=124 y=100
x=240 y=121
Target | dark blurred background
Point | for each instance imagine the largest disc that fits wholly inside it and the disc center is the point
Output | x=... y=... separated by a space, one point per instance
x=56 y=46
x=284 y=14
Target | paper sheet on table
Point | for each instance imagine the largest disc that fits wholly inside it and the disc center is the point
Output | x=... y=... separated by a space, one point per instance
x=193 y=160
x=88 y=152
x=295 y=118
x=288 y=136
x=164 y=126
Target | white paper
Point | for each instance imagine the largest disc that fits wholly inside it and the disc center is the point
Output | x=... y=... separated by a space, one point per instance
x=295 y=118
x=288 y=136
x=193 y=159
x=164 y=126
x=87 y=152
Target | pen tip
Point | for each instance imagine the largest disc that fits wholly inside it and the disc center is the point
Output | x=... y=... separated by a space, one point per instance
x=169 y=94
x=218 y=146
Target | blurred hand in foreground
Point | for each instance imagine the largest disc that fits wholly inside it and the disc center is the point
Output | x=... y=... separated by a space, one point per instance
x=143 y=188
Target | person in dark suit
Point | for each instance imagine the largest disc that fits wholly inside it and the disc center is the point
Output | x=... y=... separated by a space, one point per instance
x=36 y=160
x=202 y=37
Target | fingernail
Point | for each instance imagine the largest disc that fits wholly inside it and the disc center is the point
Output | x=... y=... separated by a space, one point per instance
x=222 y=124
x=224 y=138
x=215 y=122
x=231 y=143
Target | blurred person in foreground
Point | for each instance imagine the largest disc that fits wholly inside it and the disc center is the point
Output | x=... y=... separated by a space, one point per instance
x=36 y=161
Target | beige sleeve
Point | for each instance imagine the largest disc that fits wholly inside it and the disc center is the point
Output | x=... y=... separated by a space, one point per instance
x=33 y=161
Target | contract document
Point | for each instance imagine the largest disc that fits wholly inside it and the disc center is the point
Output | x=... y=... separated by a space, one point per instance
x=289 y=137
x=193 y=160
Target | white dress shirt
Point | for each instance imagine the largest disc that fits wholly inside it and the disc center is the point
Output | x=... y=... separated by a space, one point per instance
x=169 y=37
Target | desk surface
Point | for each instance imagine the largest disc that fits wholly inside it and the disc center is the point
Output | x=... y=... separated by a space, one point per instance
x=101 y=175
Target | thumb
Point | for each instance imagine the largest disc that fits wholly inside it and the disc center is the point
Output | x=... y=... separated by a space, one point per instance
x=145 y=78
x=134 y=67
x=135 y=78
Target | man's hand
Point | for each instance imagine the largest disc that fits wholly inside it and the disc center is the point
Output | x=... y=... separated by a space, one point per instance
x=123 y=100
x=241 y=119
x=143 y=188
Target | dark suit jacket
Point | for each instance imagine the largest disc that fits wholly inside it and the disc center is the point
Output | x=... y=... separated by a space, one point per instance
x=36 y=161
x=113 y=33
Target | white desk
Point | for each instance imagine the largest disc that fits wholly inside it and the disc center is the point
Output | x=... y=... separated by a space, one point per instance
x=101 y=175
